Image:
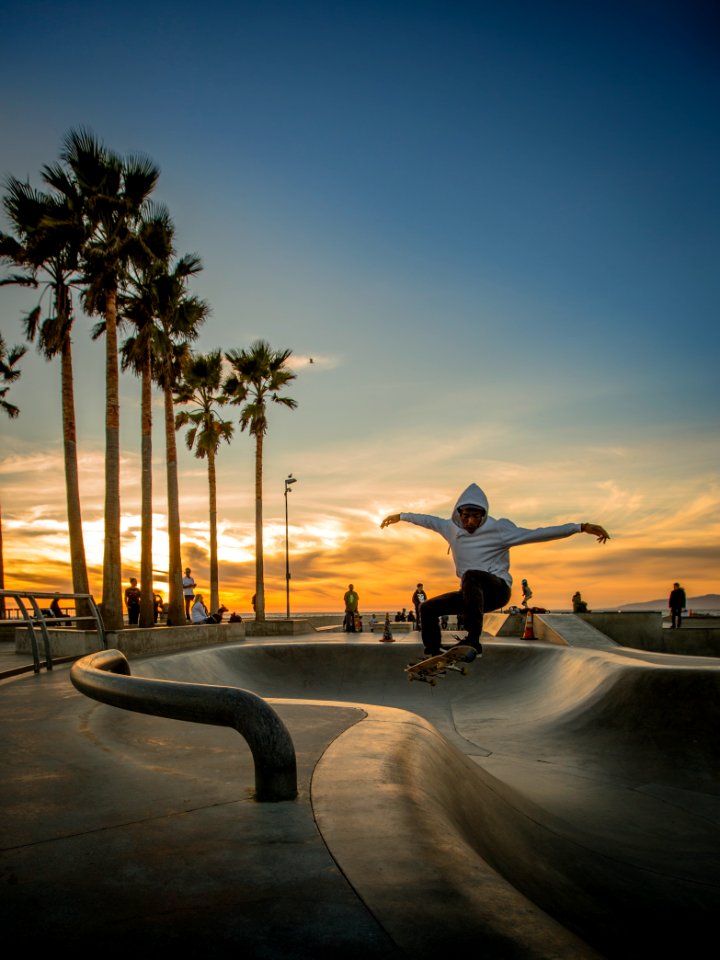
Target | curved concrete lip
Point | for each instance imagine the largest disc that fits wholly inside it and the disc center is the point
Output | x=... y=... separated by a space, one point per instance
x=555 y=802
x=586 y=778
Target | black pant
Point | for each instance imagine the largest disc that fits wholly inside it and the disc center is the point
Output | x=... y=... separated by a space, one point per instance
x=479 y=592
x=676 y=613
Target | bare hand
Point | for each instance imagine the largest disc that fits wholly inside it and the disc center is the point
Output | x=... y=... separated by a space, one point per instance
x=595 y=530
x=393 y=518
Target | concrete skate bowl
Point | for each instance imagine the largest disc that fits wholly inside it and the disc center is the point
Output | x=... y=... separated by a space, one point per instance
x=583 y=782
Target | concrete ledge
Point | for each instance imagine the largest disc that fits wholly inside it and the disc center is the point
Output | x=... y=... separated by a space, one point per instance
x=135 y=641
x=640 y=629
x=277 y=628
x=695 y=641
x=64 y=642
x=504 y=624
x=402 y=626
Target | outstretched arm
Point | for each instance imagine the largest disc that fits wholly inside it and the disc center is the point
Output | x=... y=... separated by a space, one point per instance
x=393 y=518
x=595 y=530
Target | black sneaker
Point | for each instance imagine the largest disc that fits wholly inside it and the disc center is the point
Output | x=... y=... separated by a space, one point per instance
x=467 y=642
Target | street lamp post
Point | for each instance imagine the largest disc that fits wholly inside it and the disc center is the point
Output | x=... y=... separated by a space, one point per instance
x=290 y=479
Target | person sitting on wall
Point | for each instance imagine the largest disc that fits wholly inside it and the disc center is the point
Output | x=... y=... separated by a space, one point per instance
x=200 y=613
x=579 y=605
x=55 y=610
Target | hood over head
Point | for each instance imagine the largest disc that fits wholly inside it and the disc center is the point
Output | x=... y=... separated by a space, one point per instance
x=471 y=496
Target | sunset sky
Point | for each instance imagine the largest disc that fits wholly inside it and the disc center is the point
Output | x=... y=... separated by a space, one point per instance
x=494 y=227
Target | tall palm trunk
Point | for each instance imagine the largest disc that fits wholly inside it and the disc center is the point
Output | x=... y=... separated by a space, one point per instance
x=72 y=484
x=176 y=607
x=112 y=582
x=214 y=572
x=147 y=612
x=259 y=566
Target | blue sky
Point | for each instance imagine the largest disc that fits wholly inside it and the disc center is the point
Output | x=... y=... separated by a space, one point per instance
x=493 y=226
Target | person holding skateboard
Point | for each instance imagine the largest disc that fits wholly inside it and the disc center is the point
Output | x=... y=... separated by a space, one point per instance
x=480 y=546
x=351 y=601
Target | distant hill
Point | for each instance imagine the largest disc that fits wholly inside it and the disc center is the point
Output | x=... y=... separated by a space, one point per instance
x=709 y=601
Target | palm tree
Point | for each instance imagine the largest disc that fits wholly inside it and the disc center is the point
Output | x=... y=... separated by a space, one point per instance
x=49 y=231
x=260 y=372
x=179 y=317
x=115 y=193
x=139 y=307
x=201 y=385
x=8 y=374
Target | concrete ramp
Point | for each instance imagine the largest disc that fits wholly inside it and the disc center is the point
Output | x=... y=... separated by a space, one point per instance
x=569 y=630
x=579 y=781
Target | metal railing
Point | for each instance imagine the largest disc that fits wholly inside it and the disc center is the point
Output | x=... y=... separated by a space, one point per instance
x=105 y=676
x=35 y=617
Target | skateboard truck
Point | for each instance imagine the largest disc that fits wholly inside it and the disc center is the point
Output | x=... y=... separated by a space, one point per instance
x=430 y=668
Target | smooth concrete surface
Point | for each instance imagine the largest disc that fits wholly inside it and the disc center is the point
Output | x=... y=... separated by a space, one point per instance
x=565 y=629
x=558 y=801
x=634 y=628
x=692 y=640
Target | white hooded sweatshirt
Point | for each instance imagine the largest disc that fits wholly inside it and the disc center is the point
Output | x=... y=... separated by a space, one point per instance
x=488 y=547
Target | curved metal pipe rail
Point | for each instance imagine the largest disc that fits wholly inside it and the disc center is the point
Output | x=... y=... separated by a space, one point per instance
x=39 y=619
x=105 y=676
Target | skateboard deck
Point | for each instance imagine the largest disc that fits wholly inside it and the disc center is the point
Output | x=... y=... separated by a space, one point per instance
x=429 y=669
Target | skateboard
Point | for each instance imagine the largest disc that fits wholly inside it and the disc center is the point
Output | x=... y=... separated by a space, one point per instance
x=430 y=668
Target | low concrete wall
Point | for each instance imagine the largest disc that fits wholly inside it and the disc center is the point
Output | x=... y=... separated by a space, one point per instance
x=699 y=623
x=134 y=641
x=324 y=620
x=695 y=642
x=277 y=628
x=504 y=624
x=402 y=626
x=63 y=642
x=641 y=630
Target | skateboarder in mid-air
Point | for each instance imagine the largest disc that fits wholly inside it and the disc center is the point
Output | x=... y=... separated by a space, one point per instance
x=480 y=547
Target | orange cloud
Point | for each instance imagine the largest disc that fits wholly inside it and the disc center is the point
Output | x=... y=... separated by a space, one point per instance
x=665 y=526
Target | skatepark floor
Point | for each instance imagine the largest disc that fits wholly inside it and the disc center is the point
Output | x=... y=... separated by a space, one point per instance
x=555 y=802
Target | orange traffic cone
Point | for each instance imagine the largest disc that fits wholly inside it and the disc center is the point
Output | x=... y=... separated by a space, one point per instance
x=529 y=634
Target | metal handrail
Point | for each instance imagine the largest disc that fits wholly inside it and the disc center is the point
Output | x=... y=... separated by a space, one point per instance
x=39 y=619
x=105 y=676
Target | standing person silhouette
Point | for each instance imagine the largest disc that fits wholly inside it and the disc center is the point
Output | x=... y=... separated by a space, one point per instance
x=418 y=599
x=480 y=546
x=188 y=585
x=676 y=602
x=132 y=602
x=351 y=600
